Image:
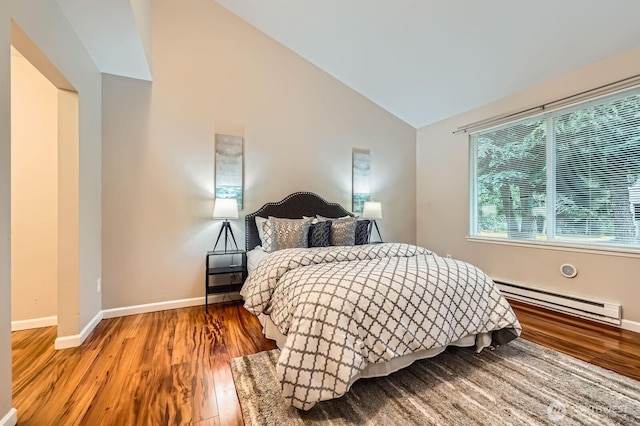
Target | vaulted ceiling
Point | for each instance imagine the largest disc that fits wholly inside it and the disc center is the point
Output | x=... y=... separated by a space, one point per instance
x=116 y=33
x=422 y=60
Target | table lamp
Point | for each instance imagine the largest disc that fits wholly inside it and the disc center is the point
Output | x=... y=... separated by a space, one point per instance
x=225 y=208
x=372 y=210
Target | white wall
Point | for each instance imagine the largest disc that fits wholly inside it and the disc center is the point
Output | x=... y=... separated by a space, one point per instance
x=215 y=73
x=443 y=201
x=34 y=192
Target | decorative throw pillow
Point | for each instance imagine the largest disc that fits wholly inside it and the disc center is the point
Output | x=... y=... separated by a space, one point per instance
x=320 y=234
x=362 y=232
x=288 y=233
x=268 y=242
x=343 y=230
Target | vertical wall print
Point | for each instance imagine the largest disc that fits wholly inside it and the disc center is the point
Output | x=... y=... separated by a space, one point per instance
x=229 y=167
x=361 y=168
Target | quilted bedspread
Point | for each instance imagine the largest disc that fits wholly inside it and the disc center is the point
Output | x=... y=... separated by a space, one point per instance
x=343 y=308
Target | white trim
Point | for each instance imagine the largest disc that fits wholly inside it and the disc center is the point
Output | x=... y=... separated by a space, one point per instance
x=10 y=419
x=473 y=184
x=550 y=201
x=77 y=339
x=34 y=323
x=171 y=304
x=597 y=310
x=561 y=246
x=630 y=325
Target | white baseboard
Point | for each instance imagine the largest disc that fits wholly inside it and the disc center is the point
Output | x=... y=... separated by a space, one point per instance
x=34 y=323
x=630 y=325
x=10 y=419
x=165 y=306
x=77 y=339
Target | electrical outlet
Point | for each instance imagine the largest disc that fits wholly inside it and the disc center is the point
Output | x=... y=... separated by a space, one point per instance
x=448 y=255
x=99 y=285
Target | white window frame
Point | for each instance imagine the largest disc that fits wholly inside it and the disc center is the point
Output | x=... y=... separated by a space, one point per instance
x=550 y=145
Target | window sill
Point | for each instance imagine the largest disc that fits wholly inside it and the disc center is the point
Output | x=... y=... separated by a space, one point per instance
x=561 y=246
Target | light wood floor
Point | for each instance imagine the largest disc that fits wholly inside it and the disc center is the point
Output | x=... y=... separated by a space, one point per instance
x=172 y=367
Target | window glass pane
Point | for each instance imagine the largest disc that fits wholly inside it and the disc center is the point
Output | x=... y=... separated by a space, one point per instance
x=511 y=181
x=597 y=170
x=593 y=195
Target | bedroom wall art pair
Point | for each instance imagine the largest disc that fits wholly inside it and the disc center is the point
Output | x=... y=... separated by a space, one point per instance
x=229 y=171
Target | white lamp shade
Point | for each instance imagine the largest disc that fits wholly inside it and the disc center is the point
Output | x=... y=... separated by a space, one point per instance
x=225 y=208
x=372 y=210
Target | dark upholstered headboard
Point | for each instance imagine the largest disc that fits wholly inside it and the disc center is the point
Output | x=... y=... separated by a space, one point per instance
x=294 y=206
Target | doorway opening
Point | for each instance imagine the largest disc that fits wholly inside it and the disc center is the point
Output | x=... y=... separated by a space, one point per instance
x=44 y=191
x=34 y=197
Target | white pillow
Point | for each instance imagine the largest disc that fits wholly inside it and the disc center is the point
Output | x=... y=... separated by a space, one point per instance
x=260 y=225
x=254 y=257
x=314 y=219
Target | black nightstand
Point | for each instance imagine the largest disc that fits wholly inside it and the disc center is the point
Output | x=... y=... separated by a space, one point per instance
x=237 y=273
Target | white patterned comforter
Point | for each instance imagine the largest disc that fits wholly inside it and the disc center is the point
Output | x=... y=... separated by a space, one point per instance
x=345 y=307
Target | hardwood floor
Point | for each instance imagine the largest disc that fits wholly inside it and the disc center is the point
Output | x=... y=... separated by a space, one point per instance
x=162 y=368
x=172 y=367
x=603 y=345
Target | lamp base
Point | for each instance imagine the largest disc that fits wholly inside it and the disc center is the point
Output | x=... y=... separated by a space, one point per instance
x=226 y=227
x=374 y=223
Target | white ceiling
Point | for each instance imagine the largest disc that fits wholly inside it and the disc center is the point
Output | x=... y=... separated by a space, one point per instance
x=426 y=60
x=111 y=34
x=422 y=60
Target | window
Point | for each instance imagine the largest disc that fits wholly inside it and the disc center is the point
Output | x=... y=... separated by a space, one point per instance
x=568 y=176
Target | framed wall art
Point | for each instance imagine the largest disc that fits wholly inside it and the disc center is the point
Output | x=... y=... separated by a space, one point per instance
x=361 y=169
x=229 y=176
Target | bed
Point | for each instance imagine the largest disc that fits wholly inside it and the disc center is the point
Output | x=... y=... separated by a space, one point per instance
x=339 y=313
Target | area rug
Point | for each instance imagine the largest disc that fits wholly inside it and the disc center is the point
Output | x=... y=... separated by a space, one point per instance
x=521 y=383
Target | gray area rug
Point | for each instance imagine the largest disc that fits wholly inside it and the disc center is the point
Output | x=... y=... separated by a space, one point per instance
x=518 y=384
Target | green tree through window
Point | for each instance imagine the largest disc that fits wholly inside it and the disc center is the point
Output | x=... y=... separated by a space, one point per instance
x=593 y=152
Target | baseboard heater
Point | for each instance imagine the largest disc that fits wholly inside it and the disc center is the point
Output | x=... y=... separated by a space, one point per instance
x=609 y=313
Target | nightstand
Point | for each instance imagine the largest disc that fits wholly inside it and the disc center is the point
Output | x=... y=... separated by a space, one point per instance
x=232 y=263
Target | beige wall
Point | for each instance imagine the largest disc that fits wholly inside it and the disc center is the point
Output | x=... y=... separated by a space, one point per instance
x=142 y=14
x=5 y=212
x=45 y=24
x=34 y=192
x=443 y=202
x=215 y=73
